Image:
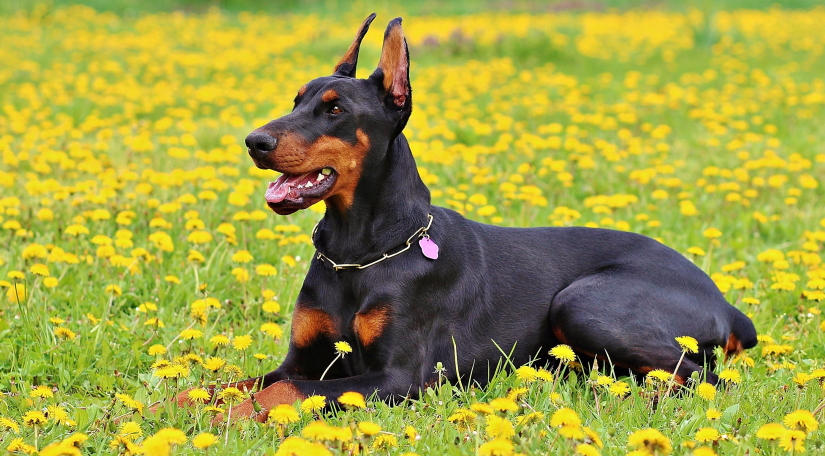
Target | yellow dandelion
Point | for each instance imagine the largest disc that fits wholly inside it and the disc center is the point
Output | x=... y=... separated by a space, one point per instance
x=282 y=414
x=565 y=417
x=499 y=427
x=730 y=375
x=497 y=447
x=707 y=434
x=563 y=353
x=342 y=348
x=41 y=391
x=204 y=440
x=688 y=344
x=241 y=342
x=650 y=440
x=802 y=420
x=34 y=418
x=706 y=391
x=313 y=404
x=231 y=395
x=793 y=441
x=771 y=431
x=369 y=428
x=352 y=399
x=199 y=395
x=503 y=404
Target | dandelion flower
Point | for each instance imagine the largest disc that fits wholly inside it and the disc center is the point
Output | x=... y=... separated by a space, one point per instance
x=342 y=348
x=231 y=394
x=793 y=441
x=526 y=374
x=650 y=440
x=503 y=404
x=352 y=399
x=771 y=431
x=563 y=353
x=688 y=344
x=706 y=391
x=498 y=427
x=802 y=420
x=565 y=417
x=730 y=375
x=713 y=414
x=497 y=447
x=283 y=414
x=369 y=428
x=586 y=449
x=707 y=434
x=241 y=342
x=41 y=391
x=483 y=408
x=313 y=404
x=204 y=440
x=34 y=418
x=198 y=395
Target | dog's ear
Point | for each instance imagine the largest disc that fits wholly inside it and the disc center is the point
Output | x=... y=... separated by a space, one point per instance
x=346 y=67
x=394 y=66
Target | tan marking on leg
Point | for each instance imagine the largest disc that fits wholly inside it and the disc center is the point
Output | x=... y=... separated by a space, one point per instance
x=559 y=334
x=370 y=325
x=329 y=95
x=283 y=392
x=309 y=324
x=733 y=346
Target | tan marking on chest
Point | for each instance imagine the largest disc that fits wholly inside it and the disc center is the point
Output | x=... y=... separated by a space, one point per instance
x=309 y=324
x=370 y=325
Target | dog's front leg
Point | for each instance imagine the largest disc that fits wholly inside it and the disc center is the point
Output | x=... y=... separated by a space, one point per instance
x=384 y=384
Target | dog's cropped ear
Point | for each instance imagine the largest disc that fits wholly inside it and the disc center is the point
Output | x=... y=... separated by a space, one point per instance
x=394 y=66
x=346 y=67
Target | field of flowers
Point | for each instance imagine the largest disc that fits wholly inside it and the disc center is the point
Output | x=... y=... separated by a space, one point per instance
x=139 y=258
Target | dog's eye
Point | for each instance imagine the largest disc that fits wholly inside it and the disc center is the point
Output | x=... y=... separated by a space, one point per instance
x=335 y=110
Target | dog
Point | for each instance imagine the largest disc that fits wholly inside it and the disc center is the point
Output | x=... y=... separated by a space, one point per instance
x=409 y=285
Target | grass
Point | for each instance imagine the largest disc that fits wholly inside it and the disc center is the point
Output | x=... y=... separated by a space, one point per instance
x=124 y=176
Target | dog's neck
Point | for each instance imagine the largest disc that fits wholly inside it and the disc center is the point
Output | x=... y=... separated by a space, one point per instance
x=391 y=203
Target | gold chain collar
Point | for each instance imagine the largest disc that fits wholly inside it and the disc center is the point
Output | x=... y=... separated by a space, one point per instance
x=421 y=233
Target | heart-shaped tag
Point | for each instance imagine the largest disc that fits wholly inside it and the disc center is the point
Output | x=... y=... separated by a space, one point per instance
x=428 y=248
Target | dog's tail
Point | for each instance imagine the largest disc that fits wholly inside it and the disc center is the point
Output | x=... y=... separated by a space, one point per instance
x=742 y=335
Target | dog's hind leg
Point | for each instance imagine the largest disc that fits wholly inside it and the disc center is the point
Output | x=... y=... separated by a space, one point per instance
x=633 y=323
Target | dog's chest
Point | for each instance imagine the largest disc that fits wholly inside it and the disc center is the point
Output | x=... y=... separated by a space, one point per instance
x=312 y=324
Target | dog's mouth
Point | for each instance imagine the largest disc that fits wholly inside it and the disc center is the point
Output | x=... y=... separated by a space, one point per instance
x=293 y=192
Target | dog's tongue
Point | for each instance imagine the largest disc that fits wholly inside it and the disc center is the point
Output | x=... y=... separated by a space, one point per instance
x=281 y=188
x=278 y=190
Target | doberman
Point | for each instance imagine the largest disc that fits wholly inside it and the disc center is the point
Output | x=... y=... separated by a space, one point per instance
x=408 y=284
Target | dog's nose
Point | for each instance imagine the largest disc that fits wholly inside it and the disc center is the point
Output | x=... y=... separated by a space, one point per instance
x=260 y=143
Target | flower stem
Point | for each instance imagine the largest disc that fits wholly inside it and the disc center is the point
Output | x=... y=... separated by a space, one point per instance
x=330 y=365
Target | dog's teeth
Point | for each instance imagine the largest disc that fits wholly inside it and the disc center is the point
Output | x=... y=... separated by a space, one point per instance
x=326 y=171
x=320 y=177
x=308 y=184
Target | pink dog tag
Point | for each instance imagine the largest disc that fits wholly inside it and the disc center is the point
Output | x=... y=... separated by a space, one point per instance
x=428 y=248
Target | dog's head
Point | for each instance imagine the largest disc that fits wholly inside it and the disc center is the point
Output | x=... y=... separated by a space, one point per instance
x=337 y=124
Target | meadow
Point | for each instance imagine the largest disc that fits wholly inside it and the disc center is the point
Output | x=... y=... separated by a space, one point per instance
x=138 y=257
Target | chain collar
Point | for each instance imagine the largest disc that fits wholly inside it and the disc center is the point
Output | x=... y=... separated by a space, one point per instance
x=421 y=233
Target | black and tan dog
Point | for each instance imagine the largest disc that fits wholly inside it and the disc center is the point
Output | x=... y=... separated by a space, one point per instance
x=379 y=282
